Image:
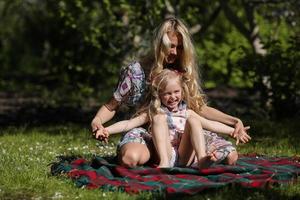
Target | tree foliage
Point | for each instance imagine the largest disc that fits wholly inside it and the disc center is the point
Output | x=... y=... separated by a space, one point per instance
x=66 y=51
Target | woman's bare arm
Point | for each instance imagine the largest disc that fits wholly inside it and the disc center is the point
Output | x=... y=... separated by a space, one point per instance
x=105 y=113
x=218 y=127
x=216 y=115
x=211 y=125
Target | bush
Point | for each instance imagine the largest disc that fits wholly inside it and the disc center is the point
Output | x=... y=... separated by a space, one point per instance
x=276 y=76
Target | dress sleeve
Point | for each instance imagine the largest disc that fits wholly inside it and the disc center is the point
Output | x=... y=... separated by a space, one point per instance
x=131 y=85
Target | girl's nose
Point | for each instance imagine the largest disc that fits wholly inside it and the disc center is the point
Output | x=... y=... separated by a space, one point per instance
x=173 y=96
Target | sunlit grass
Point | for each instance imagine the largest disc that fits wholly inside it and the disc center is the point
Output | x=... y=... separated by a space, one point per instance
x=26 y=154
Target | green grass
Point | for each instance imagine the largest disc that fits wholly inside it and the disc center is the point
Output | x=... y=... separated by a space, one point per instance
x=26 y=152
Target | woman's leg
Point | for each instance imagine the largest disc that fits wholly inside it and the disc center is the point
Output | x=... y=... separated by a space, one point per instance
x=161 y=139
x=133 y=154
x=225 y=152
x=135 y=148
x=232 y=158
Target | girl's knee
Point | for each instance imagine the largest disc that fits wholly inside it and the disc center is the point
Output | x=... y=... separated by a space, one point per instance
x=232 y=158
x=193 y=122
x=159 y=118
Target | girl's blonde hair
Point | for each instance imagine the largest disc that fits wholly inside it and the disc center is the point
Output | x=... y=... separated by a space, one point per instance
x=159 y=84
x=187 y=64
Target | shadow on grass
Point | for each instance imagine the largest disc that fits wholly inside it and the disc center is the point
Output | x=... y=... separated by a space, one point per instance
x=271 y=133
x=235 y=191
x=20 y=194
x=50 y=129
x=50 y=115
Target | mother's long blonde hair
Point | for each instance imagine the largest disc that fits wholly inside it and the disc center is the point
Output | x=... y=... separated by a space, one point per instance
x=187 y=62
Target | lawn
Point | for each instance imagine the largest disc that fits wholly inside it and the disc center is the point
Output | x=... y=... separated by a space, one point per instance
x=26 y=152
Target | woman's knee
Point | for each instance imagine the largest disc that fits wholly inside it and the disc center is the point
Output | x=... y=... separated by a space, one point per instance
x=134 y=154
x=129 y=159
x=232 y=158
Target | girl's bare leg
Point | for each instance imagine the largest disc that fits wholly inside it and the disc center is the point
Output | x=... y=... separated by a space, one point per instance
x=161 y=139
x=133 y=154
x=186 y=153
x=198 y=141
x=194 y=136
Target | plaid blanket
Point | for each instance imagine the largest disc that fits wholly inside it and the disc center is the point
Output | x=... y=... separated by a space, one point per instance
x=250 y=171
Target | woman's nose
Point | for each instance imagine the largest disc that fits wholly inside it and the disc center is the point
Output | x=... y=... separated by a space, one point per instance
x=174 y=51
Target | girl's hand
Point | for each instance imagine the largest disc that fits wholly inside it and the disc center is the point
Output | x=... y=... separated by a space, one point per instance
x=102 y=135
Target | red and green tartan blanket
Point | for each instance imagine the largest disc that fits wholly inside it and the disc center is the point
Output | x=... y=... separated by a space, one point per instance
x=250 y=171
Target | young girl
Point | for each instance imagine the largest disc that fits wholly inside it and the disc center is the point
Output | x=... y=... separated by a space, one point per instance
x=169 y=100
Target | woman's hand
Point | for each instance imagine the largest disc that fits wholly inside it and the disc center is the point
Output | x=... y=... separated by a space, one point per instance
x=238 y=128
x=96 y=125
x=240 y=132
x=243 y=136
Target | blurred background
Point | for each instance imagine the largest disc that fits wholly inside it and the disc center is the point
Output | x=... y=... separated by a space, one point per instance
x=60 y=59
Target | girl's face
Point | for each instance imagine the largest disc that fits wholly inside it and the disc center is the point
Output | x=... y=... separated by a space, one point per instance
x=176 y=48
x=171 y=95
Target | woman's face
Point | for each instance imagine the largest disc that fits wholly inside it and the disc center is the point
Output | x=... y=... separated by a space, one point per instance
x=176 y=48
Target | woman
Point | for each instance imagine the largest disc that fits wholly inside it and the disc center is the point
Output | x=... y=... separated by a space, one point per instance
x=172 y=48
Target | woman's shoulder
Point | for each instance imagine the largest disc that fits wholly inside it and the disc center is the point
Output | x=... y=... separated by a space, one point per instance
x=134 y=67
x=132 y=84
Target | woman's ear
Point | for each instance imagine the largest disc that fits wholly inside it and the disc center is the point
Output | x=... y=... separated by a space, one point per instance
x=185 y=92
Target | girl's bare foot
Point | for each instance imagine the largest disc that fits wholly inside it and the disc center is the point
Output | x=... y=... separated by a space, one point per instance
x=163 y=165
x=205 y=162
x=208 y=160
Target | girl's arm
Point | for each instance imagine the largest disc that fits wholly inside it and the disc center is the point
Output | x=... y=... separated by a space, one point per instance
x=127 y=125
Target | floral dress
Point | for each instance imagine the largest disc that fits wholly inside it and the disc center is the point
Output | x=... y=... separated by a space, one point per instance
x=176 y=123
x=131 y=91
